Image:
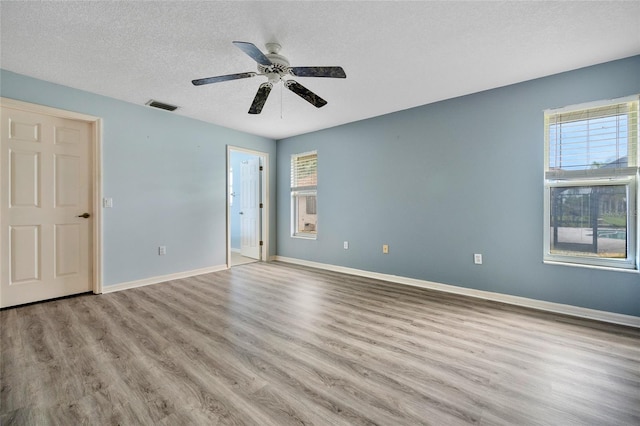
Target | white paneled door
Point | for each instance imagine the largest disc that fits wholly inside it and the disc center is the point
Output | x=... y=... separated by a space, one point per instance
x=45 y=207
x=250 y=208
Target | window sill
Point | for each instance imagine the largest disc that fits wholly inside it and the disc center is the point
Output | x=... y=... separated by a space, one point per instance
x=582 y=265
x=305 y=236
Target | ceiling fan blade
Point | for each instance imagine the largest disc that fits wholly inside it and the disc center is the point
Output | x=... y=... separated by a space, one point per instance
x=208 y=80
x=261 y=98
x=255 y=53
x=332 y=72
x=305 y=93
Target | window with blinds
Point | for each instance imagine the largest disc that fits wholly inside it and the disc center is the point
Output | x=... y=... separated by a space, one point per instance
x=593 y=141
x=304 y=181
x=304 y=171
x=591 y=174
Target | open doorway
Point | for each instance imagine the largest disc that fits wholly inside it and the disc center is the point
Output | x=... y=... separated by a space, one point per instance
x=246 y=206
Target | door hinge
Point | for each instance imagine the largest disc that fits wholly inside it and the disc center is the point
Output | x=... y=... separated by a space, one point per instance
x=261 y=205
x=261 y=243
x=260 y=168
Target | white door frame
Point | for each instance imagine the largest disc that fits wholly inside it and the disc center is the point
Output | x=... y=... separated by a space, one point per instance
x=264 y=193
x=96 y=177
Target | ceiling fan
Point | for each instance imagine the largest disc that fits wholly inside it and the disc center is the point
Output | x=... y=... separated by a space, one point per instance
x=276 y=68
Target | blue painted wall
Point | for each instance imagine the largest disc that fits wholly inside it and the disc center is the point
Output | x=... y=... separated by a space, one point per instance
x=446 y=180
x=166 y=175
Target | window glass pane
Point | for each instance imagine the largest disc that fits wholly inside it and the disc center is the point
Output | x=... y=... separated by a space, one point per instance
x=311 y=205
x=304 y=170
x=589 y=221
x=591 y=143
x=307 y=218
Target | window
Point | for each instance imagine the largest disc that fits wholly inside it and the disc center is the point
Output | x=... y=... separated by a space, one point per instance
x=591 y=184
x=304 y=182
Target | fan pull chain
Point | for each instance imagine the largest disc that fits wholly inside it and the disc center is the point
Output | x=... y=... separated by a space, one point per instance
x=281 y=96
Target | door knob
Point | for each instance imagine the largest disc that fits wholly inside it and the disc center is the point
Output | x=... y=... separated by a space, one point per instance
x=85 y=215
x=241 y=213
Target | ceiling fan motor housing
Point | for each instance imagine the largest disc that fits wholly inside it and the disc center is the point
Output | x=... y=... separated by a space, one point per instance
x=278 y=69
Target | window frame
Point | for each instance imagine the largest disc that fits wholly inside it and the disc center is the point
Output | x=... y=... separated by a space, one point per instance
x=302 y=191
x=630 y=262
x=623 y=176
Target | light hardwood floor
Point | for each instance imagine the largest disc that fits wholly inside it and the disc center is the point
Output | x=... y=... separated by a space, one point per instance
x=238 y=259
x=275 y=344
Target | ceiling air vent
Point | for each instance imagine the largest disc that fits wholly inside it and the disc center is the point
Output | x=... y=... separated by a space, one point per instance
x=161 y=105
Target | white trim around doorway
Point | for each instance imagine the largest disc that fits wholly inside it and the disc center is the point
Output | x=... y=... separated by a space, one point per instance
x=264 y=183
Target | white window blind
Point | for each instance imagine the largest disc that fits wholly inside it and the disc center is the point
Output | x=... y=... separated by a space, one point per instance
x=304 y=171
x=592 y=142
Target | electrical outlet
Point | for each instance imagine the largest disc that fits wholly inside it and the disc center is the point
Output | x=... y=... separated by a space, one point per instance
x=385 y=248
x=477 y=259
x=162 y=250
x=346 y=245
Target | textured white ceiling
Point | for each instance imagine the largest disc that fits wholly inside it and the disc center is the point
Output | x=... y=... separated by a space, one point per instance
x=397 y=55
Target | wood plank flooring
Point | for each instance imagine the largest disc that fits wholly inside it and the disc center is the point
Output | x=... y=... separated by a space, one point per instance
x=275 y=344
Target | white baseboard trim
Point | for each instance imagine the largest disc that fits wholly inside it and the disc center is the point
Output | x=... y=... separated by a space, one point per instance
x=160 y=279
x=576 y=311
